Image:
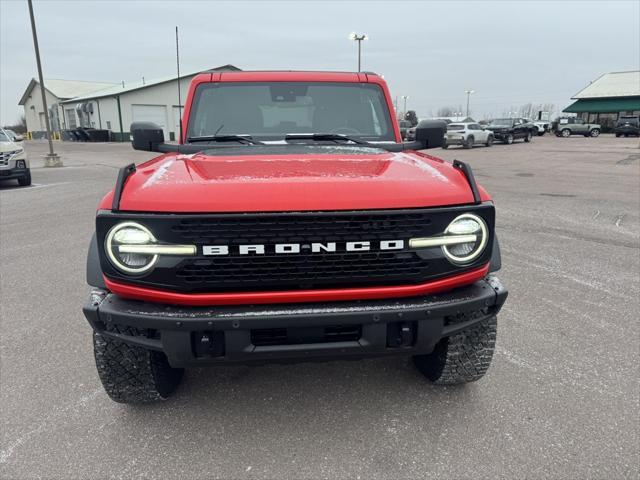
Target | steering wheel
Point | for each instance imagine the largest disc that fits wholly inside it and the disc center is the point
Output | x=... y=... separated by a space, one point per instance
x=346 y=131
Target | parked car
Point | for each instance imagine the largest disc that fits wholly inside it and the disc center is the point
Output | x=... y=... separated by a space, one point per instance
x=508 y=130
x=15 y=136
x=541 y=126
x=404 y=126
x=567 y=126
x=627 y=126
x=266 y=247
x=467 y=135
x=13 y=160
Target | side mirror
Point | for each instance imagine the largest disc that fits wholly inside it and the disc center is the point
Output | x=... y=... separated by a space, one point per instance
x=146 y=136
x=430 y=133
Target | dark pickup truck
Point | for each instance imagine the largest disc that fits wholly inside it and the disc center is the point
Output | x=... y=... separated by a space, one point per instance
x=509 y=129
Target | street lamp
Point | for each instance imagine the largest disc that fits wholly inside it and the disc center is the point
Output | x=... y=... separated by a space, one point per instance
x=51 y=159
x=404 y=110
x=458 y=114
x=469 y=93
x=358 y=38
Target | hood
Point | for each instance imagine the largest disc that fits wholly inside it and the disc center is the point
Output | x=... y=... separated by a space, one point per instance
x=303 y=182
x=10 y=147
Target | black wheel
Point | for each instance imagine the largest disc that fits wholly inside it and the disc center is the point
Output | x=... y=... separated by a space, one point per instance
x=131 y=374
x=594 y=132
x=445 y=146
x=618 y=135
x=469 y=143
x=489 y=141
x=25 y=181
x=527 y=137
x=461 y=358
x=565 y=132
x=508 y=139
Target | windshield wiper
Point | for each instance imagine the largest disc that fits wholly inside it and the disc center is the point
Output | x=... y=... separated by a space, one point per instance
x=323 y=136
x=246 y=139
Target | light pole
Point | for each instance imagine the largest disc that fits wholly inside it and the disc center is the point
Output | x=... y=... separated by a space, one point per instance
x=458 y=115
x=404 y=109
x=359 y=39
x=469 y=93
x=50 y=160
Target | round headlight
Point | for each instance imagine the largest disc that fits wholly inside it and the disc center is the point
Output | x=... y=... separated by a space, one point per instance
x=470 y=225
x=130 y=233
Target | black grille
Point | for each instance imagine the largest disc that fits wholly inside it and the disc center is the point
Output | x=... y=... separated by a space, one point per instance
x=301 y=228
x=304 y=270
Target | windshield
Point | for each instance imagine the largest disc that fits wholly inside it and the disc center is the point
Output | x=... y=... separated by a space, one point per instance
x=502 y=121
x=455 y=126
x=269 y=111
x=623 y=120
x=4 y=137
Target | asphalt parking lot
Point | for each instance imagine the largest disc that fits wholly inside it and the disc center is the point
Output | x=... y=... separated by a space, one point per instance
x=560 y=401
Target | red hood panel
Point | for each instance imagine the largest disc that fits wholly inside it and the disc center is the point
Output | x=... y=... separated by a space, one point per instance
x=270 y=183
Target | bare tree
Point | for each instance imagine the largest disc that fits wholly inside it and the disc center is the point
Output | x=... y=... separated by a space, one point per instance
x=448 y=111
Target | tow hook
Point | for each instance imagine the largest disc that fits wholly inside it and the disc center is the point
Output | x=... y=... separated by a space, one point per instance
x=401 y=334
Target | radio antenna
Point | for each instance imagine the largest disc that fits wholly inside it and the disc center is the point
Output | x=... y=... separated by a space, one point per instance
x=179 y=92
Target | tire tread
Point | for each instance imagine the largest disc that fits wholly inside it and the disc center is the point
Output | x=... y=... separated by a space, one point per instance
x=131 y=374
x=461 y=358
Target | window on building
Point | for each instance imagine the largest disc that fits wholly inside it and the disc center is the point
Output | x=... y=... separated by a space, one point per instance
x=607 y=120
x=108 y=125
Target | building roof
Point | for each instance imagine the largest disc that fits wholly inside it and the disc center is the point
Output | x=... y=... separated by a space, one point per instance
x=604 y=105
x=65 y=89
x=118 y=89
x=614 y=84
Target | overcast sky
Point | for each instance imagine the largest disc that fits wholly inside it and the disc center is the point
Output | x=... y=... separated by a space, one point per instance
x=509 y=52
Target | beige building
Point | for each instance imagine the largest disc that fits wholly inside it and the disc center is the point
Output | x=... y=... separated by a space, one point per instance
x=109 y=106
x=56 y=92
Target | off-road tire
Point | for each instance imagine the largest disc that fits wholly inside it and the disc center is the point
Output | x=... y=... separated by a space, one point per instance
x=131 y=374
x=594 y=133
x=541 y=133
x=508 y=139
x=489 y=141
x=528 y=137
x=461 y=358
x=445 y=146
x=469 y=143
x=565 y=132
x=25 y=180
x=618 y=135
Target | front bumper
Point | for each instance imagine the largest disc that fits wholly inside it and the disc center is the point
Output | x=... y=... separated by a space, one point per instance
x=498 y=135
x=12 y=170
x=11 y=173
x=291 y=332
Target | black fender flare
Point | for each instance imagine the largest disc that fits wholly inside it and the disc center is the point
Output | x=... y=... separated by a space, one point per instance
x=94 y=271
x=496 y=258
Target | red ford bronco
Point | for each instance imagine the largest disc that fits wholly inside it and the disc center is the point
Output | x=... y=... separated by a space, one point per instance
x=290 y=223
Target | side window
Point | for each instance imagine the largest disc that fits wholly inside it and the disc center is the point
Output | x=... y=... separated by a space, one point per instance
x=474 y=126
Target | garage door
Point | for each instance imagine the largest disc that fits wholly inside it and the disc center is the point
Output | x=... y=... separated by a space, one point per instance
x=151 y=113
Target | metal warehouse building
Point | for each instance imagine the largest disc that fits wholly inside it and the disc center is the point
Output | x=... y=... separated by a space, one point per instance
x=605 y=99
x=108 y=106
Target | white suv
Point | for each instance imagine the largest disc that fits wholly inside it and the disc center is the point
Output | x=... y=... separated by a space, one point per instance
x=467 y=135
x=13 y=160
